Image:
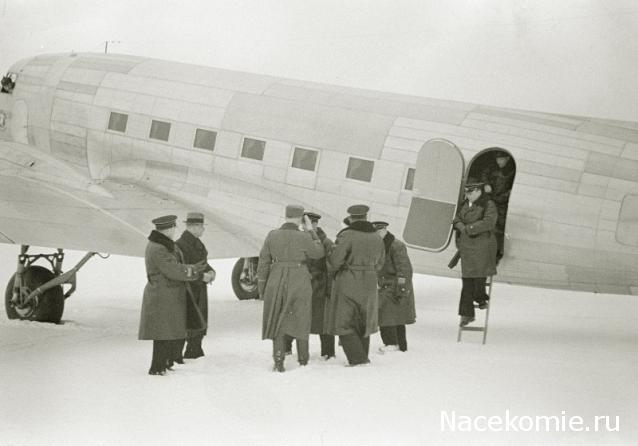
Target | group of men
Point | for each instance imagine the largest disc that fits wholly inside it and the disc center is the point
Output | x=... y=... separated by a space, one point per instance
x=309 y=284
x=175 y=303
x=347 y=288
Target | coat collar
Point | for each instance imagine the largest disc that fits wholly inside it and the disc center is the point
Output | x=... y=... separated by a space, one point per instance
x=387 y=241
x=359 y=225
x=158 y=237
x=189 y=238
x=290 y=226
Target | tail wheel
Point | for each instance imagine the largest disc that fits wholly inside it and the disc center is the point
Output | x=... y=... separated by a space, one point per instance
x=48 y=307
x=244 y=283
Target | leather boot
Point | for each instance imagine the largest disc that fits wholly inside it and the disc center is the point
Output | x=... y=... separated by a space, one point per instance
x=279 y=361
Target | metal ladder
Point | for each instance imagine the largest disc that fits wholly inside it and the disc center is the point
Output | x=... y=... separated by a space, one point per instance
x=488 y=284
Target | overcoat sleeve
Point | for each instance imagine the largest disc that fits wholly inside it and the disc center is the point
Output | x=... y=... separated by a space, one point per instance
x=313 y=247
x=263 y=267
x=487 y=223
x=381 y=261
x=401 y=260
x=169 y=267
x=340 y=251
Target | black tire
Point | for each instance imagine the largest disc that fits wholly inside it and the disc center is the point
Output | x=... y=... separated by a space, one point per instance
x=50 y=305
x=242 y=290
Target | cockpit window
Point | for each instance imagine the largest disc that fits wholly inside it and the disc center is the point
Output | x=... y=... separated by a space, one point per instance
x=8 y=83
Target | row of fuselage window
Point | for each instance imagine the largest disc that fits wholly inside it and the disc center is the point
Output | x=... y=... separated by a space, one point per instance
x=306 y=159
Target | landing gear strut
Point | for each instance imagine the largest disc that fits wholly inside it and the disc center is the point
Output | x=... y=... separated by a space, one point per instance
x=244 y=278
x=35 y=292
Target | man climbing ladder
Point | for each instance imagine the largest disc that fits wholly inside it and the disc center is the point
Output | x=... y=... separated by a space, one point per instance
x=483 y=305
x=474 y=224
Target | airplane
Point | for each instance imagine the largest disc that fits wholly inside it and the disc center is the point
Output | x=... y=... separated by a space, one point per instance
x=94 y=146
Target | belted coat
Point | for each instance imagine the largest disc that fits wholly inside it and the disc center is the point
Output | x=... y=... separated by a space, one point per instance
x=476 y=240
x=357 y=255
x=321 y=285
x=396 y=307
x=193 y=251
x=285 y=283
x=163 y=315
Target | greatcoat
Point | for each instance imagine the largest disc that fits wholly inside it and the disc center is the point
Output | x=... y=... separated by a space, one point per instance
x=395 y=307
x=476 y=241
x=321 y=285
x=163 y=315
x=355 y=259
x=193 y=251
x=284 y=281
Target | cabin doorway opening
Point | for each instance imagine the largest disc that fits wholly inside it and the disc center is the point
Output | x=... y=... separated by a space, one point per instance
x=496 y=168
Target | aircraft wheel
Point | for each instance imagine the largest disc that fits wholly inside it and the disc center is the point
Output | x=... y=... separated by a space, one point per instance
x=49 y=306
x=243 y=287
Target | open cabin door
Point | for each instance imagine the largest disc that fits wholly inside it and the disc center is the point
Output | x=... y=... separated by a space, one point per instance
x=437 y=185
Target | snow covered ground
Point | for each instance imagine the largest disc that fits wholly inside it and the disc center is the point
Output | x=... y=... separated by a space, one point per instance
x=549 y=353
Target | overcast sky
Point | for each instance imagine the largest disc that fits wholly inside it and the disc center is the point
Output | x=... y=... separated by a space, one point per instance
x=565 y=56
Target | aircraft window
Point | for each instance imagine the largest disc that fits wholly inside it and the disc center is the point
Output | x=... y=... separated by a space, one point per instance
x=304 y=159
x=205 y=139
x=253 y=148
x=359 y=169
x=627 y=230
x=117 y=122
x=160 y=130
x=409 y=180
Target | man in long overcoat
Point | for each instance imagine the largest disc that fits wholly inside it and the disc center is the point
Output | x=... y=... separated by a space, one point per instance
x=193 y=251
x=396 y=293
x=353 y=309
x=163 y=315
x=475 y=222
x=321 y=286
x=284 y=285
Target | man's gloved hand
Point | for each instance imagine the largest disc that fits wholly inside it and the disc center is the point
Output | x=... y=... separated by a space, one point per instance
x=199 y=266
x=208 y=276
x=321 y=234
x=460 y=226
x=402 y=289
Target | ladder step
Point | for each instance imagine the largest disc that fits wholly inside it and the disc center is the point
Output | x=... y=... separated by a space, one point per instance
x=473 y=328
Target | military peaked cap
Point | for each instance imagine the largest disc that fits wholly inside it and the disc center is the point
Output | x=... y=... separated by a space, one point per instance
x=358 y=210
x=194 y=218
x=312 y=216
x=294 y=211
x=380 y=224
x=473 y=183
x=165 y=222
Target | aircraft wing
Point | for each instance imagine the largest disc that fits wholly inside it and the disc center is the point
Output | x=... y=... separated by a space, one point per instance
x=46 y=202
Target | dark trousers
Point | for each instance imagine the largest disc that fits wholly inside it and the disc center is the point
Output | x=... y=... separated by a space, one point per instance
x=327 y=345
x=473 y=291
x=177 y=346
x=283 y=343
x=162 y=352
x=356 y=348
x=194 y=346
x=394 y=335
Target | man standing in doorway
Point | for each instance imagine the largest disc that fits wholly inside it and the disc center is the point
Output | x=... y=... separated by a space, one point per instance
x=499 y=179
